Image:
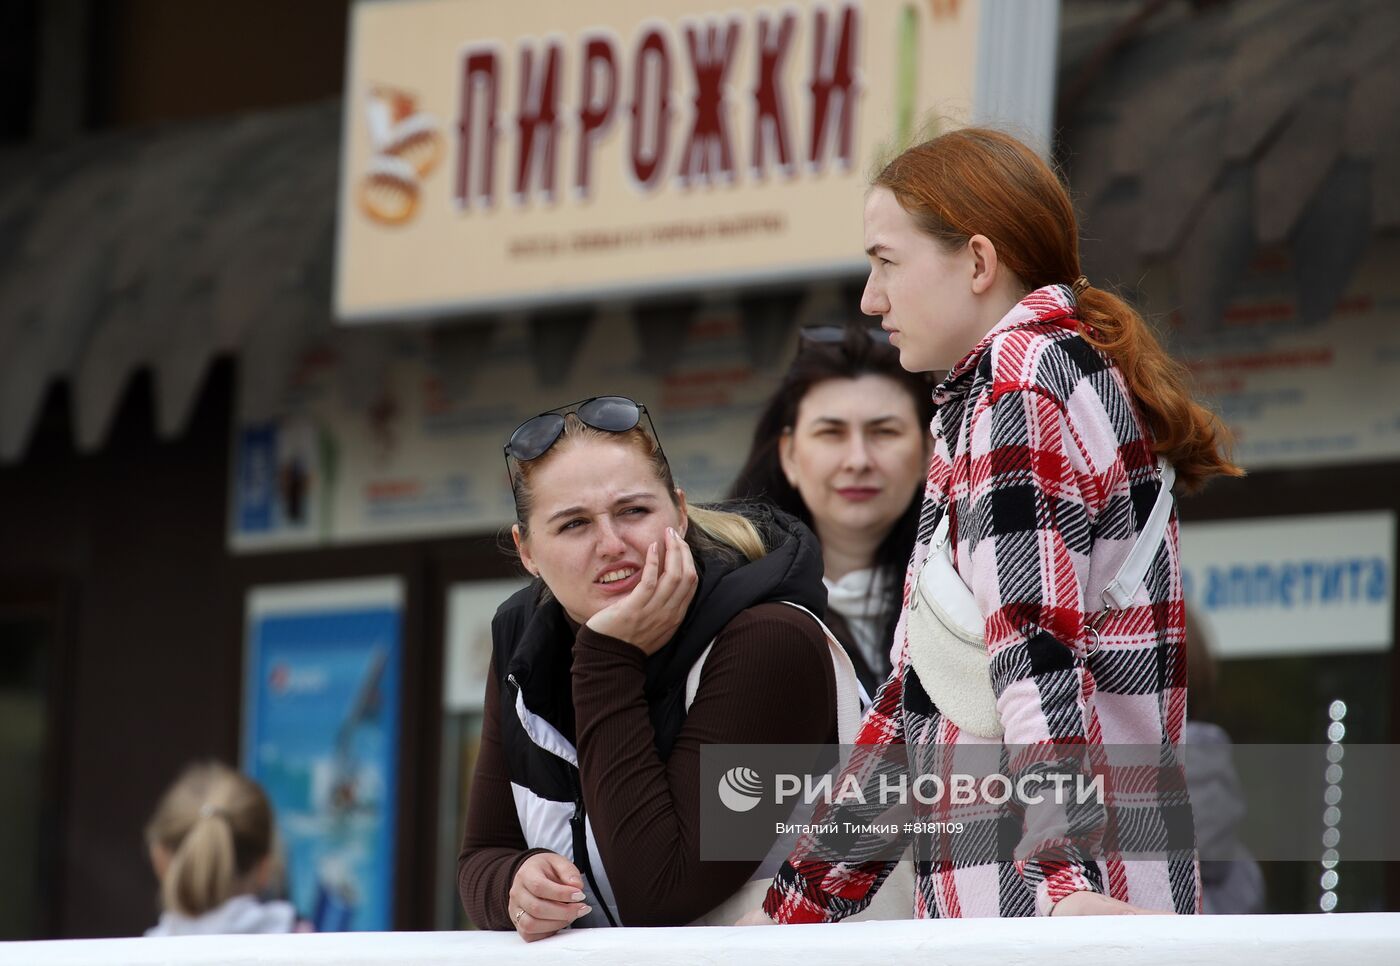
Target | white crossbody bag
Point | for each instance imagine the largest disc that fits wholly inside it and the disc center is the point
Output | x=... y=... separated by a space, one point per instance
x=947 y=644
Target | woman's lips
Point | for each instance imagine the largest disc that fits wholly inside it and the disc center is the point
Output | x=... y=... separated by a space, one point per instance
x=858 y=494
x=619 y=586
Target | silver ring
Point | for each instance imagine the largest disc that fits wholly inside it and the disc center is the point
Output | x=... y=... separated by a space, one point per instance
x=518 y=915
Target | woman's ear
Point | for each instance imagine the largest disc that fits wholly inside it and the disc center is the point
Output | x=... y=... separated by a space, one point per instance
x=786 y=459
x=685 y=514
x=984 y=264
x=523 y=548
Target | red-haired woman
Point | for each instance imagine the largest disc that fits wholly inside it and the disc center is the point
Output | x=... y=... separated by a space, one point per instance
x=1059 y=426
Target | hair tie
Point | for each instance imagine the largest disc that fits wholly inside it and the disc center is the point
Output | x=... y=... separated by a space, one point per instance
x=1080 y=284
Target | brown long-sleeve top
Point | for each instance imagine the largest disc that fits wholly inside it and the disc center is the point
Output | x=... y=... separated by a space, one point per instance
x=768 y=679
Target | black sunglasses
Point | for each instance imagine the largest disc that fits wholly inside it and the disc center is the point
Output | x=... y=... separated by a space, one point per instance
x=611 y=414
x=831 y=334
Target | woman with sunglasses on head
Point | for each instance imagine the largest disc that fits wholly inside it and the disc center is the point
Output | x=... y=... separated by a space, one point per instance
x=1044 y=611
x=653 y=628
x=843 y=445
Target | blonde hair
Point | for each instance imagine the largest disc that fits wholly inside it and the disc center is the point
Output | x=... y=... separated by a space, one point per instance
x=717 y=531
x=216 y=825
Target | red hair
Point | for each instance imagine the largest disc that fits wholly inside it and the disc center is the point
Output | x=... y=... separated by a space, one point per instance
x=975 y=181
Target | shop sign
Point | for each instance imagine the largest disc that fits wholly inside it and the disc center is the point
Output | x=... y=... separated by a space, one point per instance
x=1293 y=585
x=506 y=154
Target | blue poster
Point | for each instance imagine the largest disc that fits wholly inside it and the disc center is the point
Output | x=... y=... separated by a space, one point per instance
x=321 y=734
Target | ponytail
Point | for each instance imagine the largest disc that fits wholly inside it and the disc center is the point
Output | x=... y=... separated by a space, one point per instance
x=203 y=873
x=1191 y=437
x=215 y=825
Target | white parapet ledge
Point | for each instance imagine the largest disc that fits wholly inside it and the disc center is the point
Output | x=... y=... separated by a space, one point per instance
x=1357 y=939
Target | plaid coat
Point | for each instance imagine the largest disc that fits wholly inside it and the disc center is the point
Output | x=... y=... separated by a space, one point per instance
x=1049 y=474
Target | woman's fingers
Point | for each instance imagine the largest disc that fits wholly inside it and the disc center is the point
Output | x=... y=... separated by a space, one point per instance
x=549 y=910
x=563 y=873
x=671 y=571
x=531 y=929
x=651 y=573
x=674 y=590
x=546 y=895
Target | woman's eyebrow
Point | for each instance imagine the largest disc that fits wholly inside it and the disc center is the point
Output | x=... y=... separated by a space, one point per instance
x=876 y=249
x=570 y=511
x=639 y=497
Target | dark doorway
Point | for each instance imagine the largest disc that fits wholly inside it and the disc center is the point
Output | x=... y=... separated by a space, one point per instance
x=33 y=650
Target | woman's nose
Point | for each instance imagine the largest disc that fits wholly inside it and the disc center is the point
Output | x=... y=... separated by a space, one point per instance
x=872 y=300
x=857 y=454
x=610 y=542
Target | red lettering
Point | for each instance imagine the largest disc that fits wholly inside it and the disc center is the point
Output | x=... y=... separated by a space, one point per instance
x=651 y=87
x=538 y=118
x=770 y=114
x=595 y=109
x=480 y=66
x=707 y=156
x=833 y=88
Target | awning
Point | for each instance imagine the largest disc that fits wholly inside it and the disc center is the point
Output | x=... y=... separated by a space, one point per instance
x=163 y=250
x=166 y=249
x=1213 y=131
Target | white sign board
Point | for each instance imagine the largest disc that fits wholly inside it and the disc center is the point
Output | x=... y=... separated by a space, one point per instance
x=470 y=607
x=498 y=155
x=1293 y=585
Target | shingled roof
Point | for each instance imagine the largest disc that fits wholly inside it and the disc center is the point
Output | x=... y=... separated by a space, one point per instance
x=1212 y=132
x=160 y=249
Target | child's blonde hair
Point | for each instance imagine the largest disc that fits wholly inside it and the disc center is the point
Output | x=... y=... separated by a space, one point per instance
x=216 y=826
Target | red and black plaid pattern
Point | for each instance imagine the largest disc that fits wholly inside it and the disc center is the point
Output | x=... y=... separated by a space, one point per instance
x=1049 y=475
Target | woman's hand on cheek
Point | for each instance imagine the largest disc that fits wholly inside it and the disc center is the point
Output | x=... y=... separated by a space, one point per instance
x=648 y=617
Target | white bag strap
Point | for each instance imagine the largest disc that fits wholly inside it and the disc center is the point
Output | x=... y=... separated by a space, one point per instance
x=1119 y=594
x=692 y=680
x=940 y=532
x=851 y=699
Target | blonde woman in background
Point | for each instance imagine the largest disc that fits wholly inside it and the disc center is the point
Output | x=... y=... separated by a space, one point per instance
x=212 y=843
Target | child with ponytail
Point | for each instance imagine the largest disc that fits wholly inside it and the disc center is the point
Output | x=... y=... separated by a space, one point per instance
x=212 y=844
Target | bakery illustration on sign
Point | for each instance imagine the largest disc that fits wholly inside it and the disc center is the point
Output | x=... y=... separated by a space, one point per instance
x=407 y=147
x=509 y=155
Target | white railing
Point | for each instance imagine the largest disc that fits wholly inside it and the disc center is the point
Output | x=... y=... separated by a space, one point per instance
x=1358 y=939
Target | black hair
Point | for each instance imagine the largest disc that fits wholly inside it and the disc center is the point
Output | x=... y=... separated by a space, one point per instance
x=856 y=354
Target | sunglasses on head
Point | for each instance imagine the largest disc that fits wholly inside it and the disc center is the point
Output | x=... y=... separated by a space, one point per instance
x=831 y=334
x=611 y=414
